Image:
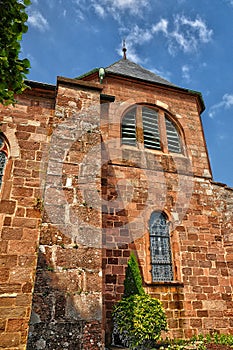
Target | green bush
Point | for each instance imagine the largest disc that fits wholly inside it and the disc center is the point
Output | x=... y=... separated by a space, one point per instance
x=133 y=279
x=139 y=320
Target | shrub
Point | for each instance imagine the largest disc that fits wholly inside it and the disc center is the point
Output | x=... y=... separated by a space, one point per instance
x=133 y=279
x=139 y=320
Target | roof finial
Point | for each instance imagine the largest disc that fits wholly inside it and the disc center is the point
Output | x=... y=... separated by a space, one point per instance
x=124 y=50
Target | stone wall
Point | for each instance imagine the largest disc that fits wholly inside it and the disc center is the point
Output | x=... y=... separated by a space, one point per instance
x=67 y=301
x=51 y=237
x=199 y=300
x=135 y=183
x=75 y=202
x=26 y=127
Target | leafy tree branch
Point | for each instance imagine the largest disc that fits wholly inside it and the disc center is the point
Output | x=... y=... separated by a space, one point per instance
x=12 y=69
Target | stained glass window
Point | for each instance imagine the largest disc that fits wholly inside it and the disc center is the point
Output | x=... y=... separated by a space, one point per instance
x=3 y=157
x=161 y=259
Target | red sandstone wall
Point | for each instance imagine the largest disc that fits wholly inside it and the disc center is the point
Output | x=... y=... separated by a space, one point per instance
x=138 y=181
x=44 y=175
x=26 y=127
x=200 y=298
x=67 y=300
x=96 y=197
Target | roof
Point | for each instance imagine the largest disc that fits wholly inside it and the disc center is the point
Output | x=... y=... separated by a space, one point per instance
x=127 y=68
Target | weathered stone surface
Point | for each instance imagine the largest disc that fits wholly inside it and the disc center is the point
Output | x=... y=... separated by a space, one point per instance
x=64 y=335
x=72 y=189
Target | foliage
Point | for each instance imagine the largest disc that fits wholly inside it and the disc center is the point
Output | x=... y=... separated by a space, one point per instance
x=12 y=69
x=215 y=338
x=133 y=279
x=198 y=342
x=139 y=320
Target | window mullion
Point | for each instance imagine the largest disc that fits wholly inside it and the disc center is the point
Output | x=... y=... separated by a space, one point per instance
x=139 y=127
x=162 y=129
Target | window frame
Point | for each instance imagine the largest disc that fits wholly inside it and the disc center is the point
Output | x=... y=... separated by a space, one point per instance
x=163 y=115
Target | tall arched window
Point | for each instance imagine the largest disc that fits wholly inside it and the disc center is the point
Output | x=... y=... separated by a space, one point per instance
x=3 y=156
x=152 y=128
x=161 y=257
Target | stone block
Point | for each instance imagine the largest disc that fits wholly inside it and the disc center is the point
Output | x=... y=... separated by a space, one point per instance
x=86 y=306
x=7 y=206
x=9 y=340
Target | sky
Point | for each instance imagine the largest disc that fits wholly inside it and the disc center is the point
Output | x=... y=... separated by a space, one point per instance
x=188 y=42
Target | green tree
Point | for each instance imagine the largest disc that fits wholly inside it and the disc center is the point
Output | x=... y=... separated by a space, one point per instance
x=139 y=320
x=13 y=70
x=133 y=279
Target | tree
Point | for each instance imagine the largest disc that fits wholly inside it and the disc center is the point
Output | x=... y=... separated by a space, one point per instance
x=138 y=319
x=12 y=69
x=133 y=279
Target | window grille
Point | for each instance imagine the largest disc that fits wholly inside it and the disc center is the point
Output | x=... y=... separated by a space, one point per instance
x=173 y=138
x=161 y=259
x=150 y=128
x=129 y=128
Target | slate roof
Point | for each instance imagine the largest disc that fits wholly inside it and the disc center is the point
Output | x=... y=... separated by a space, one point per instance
x=127 y=68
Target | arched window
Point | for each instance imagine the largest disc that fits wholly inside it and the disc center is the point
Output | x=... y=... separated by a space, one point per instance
x=161 y=257
x=152 y=128
x=3 y=156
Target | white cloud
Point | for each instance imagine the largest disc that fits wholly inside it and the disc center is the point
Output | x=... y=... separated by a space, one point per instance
x=199 y=26
x=188 y=34
x=99 y=10
x=181 y=34
x=161 y=26
x=139 y=35
x=226 y=103
x=80 y=14
x=37 y=20
x=184 y=34
x=114 y=6
x=136 y=36
x=186 y=73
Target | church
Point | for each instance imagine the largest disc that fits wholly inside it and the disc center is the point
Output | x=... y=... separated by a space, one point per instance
x=92 y=169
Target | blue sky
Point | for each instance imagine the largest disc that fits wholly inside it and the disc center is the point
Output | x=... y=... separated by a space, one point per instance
x=187 y=42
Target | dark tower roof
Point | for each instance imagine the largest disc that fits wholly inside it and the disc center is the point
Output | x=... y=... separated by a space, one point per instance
x=127 y=68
